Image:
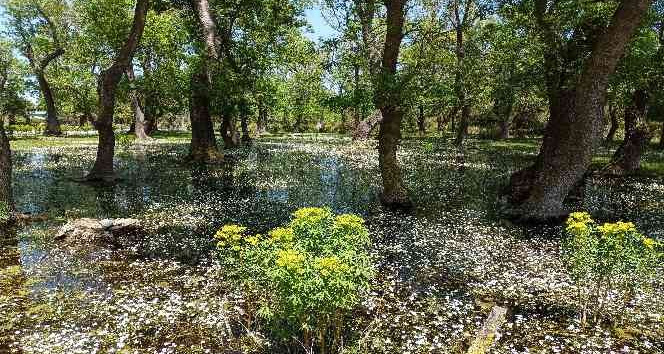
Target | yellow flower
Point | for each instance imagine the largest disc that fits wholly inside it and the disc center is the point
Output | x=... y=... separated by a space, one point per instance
x=579 y=216
x=290 y=259
x=328 y=265
x=282 y=234
x=253 y=240
x=230 y=232
x=577 y=228
x=649 y=243
x=348 y=220
x=312 y=214
x=616 y=229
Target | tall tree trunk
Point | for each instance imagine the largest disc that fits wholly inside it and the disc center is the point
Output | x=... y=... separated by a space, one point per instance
x=627 y=158
x=460 y=86
x=613 y=117
x=421 y=123
x=261 y=123
x=203 y=147
x=7 y=214
x=139 y=117
x=388 y=99
x=575 y=125
x=52 y=122
x=440 y=123
x=244 y=125
x=108 y=84
x=229 y=132
x=203 y=142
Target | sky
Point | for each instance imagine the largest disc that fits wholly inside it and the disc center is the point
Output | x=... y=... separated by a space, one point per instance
x=321 y=29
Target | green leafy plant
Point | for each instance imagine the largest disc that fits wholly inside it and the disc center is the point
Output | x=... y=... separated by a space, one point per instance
x=608 y=262
x=125 y=140
x=303 y=278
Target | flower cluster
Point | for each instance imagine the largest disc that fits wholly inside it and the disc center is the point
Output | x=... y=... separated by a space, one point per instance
x=610 y=258
x=306 y=273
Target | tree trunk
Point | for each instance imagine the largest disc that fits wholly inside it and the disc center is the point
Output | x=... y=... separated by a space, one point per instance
x=627 y=158
x=229 y=132
x=388 y=99
x=613 y=116
x=440 y=123
x=364 y=128
x=139 y=117
x=244 y=125
x=661 y=138
x=261 y=123
x=7 y=215
x=108 y=83
x=421 y=123
x=203 y=148
x=460 y=87
x=574 y=130
x=52 y=122
x=394 y=193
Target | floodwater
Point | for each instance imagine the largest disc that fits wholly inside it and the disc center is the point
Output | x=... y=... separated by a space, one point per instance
x=438 y=265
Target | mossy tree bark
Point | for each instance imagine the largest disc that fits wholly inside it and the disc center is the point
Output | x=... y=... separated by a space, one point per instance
x=108 y=82
x=575 y=125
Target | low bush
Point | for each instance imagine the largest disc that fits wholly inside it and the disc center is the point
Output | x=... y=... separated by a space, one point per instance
x=301 y=279
x=608 y=262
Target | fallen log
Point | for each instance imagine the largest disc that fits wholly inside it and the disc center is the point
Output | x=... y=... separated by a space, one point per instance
x=488 y=334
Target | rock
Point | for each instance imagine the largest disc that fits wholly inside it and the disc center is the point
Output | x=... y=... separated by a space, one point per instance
x=88 y=231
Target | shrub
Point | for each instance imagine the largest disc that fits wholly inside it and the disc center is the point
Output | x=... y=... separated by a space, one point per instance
x=608 y=262
x=304 y=277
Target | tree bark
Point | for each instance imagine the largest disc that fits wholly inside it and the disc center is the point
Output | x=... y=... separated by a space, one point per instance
x=229 y=132
x=103 y=168
x=7 y=212
x=388 y=99
x=627 y=158
x=244 y=124
x=460 y=85
x=39 y=67
x=139 y=117
x=613 y=116
x=203 y=142
x=52 y=122
x=421 y=123
x=203 y=147
x=364 y=128
x=574 y=130
x=261 y=123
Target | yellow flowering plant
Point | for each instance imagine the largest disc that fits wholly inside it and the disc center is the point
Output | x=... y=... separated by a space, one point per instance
x=303 y=277
x=605 y=260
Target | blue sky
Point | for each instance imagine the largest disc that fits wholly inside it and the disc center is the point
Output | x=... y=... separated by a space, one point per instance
x=320 y=27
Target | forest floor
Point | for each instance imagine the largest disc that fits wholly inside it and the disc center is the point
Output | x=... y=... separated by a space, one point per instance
x=440 y=268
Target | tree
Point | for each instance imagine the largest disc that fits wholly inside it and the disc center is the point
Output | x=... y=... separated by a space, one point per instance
x=103 y=168
x=6 y=200
x=36 y=32
x=577 y=95
x=203 y=142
